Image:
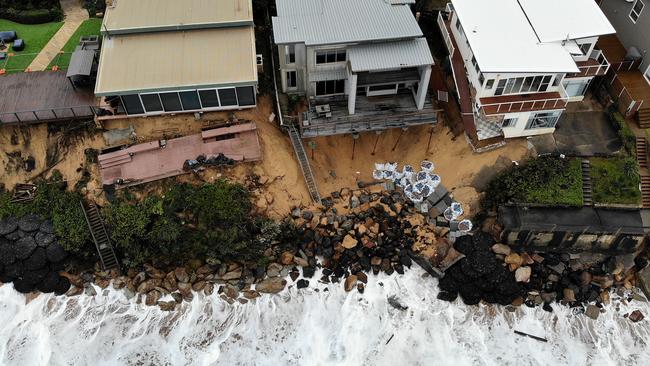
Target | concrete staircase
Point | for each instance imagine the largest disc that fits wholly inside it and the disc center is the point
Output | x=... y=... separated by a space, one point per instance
x=644 y=117
x=586 y=183
x=645 y=191
x=100 y=237
x=642 y=152
x=307 y=173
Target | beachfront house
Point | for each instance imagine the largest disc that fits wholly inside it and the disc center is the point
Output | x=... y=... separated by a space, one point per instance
x=518 y=63
x=169 y=56
x=629 y=79
x=362 y=65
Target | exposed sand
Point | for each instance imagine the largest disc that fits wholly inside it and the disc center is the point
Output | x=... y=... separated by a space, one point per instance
x=454 y=160
x=333 y=164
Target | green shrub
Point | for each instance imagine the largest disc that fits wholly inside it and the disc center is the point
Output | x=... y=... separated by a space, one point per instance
x=545 y=180
x=53 y=202
x=615 y=181
x=628 y=139
x=32 y=16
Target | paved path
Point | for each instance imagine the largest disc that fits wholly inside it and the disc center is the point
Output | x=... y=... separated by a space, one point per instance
x=74 y=16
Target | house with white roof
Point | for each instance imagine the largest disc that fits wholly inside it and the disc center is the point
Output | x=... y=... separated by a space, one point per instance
x=363 y=65
x=518 y=63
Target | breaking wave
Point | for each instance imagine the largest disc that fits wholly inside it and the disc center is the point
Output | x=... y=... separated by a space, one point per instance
x=314 y=327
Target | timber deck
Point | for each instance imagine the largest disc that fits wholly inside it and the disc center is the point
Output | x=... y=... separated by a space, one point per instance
x=371 y=114
x=39 y=97
x=156 y=160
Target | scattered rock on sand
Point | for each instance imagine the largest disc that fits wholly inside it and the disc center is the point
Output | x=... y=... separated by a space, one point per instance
x=592 y=311
x=636 y=316
x=522 y=274
x=349 y=242
x=350 y=283
x=501 y=249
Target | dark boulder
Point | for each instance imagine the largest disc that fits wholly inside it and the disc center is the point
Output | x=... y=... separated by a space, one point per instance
x=56 y=253
x=62 y=286
x=16 y=235
x=8 y=225
x=302 y=283
x=44 y=239
x=7 y=253
x=25 y=247
x=12 y=272
x=35 y=276
x=464 y=245
x=308 y=272
x=49 y=283
x=29 y=223
x=447 y=296
x=23 y=286
x=37 y=260
x=46 y=227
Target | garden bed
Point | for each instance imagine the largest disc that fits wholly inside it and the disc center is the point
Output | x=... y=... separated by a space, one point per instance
x=615 y=181
x=551 y=181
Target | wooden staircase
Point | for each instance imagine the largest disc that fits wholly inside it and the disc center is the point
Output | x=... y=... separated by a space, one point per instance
x=100 y=237
x=586 y=183
x=644 y=117
x=642 y=152
x=299 y=149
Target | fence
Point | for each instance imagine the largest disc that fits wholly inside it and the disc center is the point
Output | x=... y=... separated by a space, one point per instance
x=45 y=115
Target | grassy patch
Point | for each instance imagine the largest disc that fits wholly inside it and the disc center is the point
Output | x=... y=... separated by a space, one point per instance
x=624 y=132
x=36 y=37
x=545 y=180
x=90 y=27
x=615 y=181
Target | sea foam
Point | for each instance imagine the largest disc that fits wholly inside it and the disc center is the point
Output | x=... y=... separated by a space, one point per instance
x=309 y=327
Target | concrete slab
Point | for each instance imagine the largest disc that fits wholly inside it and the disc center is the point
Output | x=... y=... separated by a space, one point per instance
x=586 y=134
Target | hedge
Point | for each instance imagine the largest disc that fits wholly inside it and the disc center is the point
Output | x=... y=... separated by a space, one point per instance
x=31 y=16
x=624 y=132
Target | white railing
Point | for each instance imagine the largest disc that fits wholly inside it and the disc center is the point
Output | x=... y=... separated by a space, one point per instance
x=445 y=34
x=600 y=69
x=525 y=105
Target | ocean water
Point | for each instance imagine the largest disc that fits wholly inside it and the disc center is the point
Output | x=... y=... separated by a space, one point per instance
x=309 y=327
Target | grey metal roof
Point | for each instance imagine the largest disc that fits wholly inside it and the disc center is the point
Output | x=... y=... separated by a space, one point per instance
x=390 y=55
x=81 y=63
x=320 y=22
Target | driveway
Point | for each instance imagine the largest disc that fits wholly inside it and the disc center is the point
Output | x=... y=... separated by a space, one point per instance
x=583 y=134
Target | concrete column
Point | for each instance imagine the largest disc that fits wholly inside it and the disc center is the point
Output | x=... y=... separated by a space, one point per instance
x=352 y=95
x=423 y=86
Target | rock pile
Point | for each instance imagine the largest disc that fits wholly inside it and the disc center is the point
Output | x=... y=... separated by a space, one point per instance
x=478 y=276
x=30 y=255
x=496 y=274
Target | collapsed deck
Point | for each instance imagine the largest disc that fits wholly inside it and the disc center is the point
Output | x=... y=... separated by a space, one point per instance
x=156 y=160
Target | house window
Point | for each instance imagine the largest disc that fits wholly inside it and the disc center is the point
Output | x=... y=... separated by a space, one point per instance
x=246 y=95
x=290 y=54
x=489 y=84
x=171 y=102
x=330 y=56
x=330 y=87
x=228 y=97
x=637 y=8
x=557 y=79
x=585 y=48
x=481 y=78
x=457 y=23
x=500 y=87
x=190 y=100
x=132 y=104
x=647 y=74
x=509 y=122
x=151 y=102
x=209 y=98
x=576 y=88
x=292 y=79
x=545 y=83
x=543 y=120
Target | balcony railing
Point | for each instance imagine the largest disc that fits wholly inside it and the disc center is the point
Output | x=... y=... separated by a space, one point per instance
x=47 y=115
x=445 y=34
x=524 y=105
x=596 y=65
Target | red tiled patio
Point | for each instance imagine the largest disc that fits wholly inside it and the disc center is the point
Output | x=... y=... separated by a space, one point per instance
x=152 y=161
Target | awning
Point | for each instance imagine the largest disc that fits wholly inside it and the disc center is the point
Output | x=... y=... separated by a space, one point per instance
x=81 y=63
x=328 y=75
x=390 y=55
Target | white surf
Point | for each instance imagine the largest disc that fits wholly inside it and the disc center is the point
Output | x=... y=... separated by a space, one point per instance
x=309 y=327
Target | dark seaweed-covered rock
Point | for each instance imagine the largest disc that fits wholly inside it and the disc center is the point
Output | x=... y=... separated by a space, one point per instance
x=56 y=253
x=8 y=225
x=35 y=276
x=49 y=283
x=62 y=286
x=447 y=296
x=12 y=272
x=37 y=260
x=16 y=235
x=29 y=223
x=44 y=239
x=25 y=247
x=464 y=245
x=23 y=286
x=46 y=227
x=7 y=252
